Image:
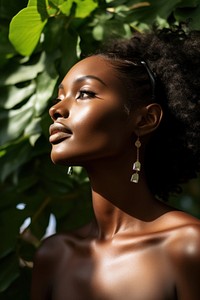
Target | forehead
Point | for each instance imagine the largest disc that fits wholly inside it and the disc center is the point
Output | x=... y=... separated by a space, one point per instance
x=96 y=67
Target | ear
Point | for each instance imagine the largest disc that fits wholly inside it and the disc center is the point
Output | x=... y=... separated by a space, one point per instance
x=148 y=119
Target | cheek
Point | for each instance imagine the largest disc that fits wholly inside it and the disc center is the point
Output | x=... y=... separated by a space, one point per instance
x=98 y=131
x=100 y=126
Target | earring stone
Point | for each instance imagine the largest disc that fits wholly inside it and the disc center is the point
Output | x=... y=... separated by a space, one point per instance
x=70 y=171
x=135 y=177
x=137 y=164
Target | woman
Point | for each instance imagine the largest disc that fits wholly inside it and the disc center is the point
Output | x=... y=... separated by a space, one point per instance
x=130 y=116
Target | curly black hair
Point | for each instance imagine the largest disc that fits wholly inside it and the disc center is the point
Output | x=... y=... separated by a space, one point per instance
x=172 y=155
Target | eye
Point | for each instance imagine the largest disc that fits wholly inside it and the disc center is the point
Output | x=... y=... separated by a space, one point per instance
x=85 y=94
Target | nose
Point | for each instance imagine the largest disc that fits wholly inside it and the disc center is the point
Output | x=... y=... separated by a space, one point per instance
x=59 y=110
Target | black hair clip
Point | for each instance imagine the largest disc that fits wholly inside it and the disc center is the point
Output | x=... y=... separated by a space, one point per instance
x=151 y=77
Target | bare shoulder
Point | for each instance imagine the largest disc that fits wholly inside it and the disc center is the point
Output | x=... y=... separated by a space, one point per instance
x=53 y=253
x=183 y=248
x=52 y=247
x=184 y=234
x=60 y=246
x=47 y=258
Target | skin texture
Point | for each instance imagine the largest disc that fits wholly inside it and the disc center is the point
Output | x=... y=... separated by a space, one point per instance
x=137 y=248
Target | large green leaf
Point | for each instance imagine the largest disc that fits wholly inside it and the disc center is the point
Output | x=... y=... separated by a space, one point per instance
x=57 y=2
x=26 y=28
x=16 y=72
x=33 y=2
x=12 y=95
x=82 y=8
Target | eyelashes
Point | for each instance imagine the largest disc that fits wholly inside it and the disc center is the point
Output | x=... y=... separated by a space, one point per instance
x=85 y=94
x=82 y=95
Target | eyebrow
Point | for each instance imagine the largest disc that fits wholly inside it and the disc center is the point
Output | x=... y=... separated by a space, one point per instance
x=82 y=78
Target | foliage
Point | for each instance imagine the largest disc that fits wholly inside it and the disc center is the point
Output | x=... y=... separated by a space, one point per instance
x=40 y=40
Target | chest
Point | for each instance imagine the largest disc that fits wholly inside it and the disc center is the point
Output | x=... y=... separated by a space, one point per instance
x=139 y=274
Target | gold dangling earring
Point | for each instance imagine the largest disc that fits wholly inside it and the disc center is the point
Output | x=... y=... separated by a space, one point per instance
x=70 y=171
x=137 y=164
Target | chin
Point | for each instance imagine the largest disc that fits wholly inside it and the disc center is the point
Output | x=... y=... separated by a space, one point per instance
x=59 y=158
x=65 y=158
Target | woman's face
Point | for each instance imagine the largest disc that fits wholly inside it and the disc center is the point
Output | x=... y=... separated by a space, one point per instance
x=90 y=120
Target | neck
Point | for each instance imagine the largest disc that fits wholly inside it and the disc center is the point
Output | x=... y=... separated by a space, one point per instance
x=119 y=204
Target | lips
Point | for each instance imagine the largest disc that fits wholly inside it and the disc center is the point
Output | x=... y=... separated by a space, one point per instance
x=58 y=133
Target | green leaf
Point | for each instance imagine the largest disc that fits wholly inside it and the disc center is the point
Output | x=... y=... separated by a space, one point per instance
x=189 y=14
x=83 y=8
x=65 y=7
x=16 y=155
x=11 y=227
x=18 y=120
x=69 y=51
x=26 y=28
x=9 y=271
x=6 y=50
x=148 y=14
x=12 y=95
x=26 y=250
x=48 y=78
x=8 y=8
x=57 y=2
x=20 y=288
x=33 y=130
x=16 y=73
x=32 y=3
x=39 y=225
x=189 y=3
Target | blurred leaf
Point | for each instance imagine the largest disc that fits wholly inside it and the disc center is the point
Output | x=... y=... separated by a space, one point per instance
x=18 y=120
x=148 y=14
x=9 y=271
x=189 y=14
x=33 y=130
x=9 y=240
x=57 y=2
x=8 y=8
x=33 y=2
x=40 y=222
x=189 y=3
x=20 y=288
x=83 y=8
x=6 y=50
x=26 y=28
x=79 y=214
x=53 y=32
x=69 y=51
x=46 y=82
x=12 y=95
x=16 y=73
x=14 y=158
x=26 y=250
